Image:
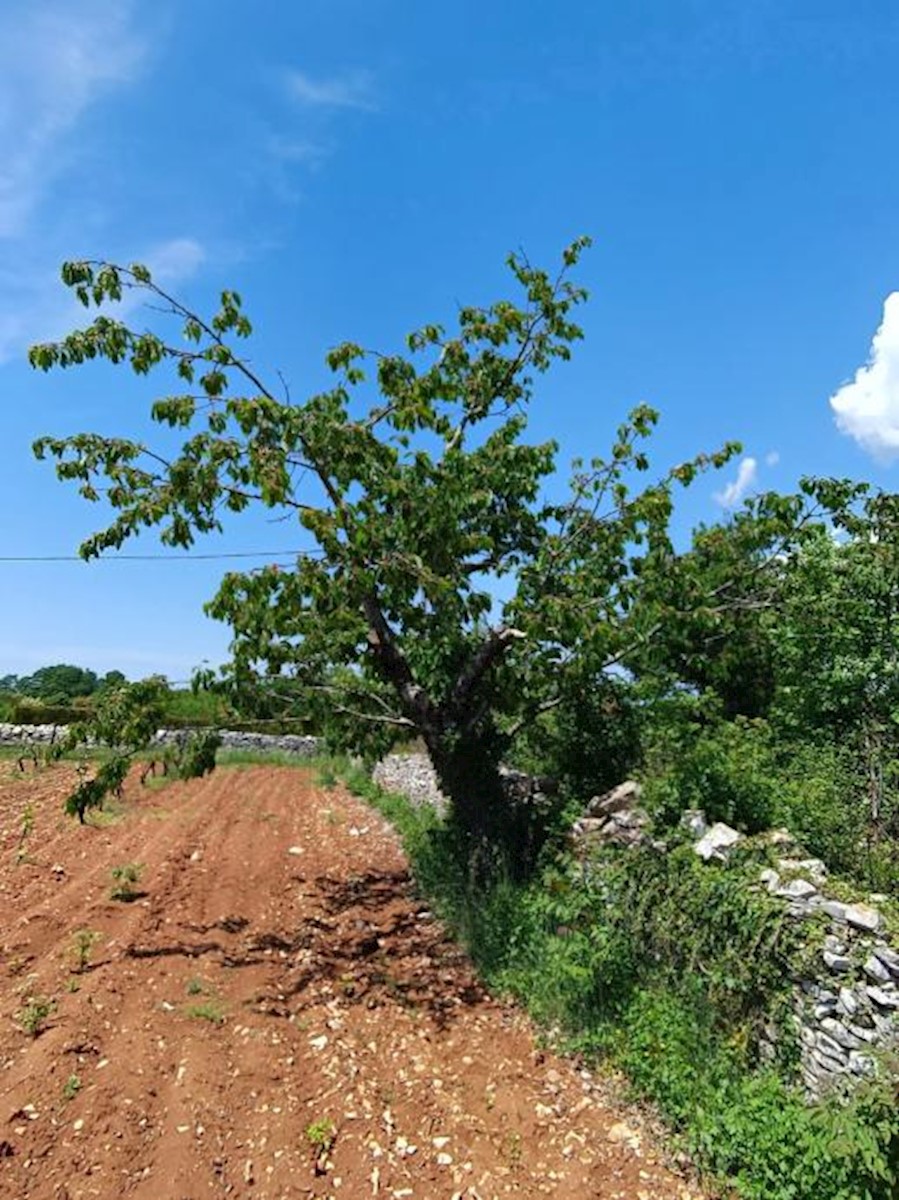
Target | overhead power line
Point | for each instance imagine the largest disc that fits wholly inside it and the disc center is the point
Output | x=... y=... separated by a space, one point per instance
x=34 y=558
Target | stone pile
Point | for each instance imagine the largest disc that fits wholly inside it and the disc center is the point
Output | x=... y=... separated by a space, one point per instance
x=613 y=819
x=412 y=776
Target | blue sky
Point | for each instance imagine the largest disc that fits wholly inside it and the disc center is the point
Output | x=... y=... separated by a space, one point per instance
x=355 y=169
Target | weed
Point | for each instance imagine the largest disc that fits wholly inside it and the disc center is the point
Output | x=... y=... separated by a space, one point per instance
x=33 y=1017
x=321 y=1136
x=209 y=1010
x=511 y=1149
x=83 y=943
x=195 y=987
x=71 y=1088
x=326 y=778
x=124 y=879
x=26 y=828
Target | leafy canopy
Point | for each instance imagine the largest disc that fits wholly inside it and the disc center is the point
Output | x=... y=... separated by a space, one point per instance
x=421 y=497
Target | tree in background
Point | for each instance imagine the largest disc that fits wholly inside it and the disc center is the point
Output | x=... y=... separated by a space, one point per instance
x=423 y=500
x=836 y=641
x=113 y=679
x=59 y=684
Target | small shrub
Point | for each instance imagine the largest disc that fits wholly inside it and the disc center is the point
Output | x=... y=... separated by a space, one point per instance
x=728 y=770
x=34 y=1016
x=124 y=878
x=320 y=1134
x=83 y=943
x=326 y=777
x=209 y=1010
x=71 y=1088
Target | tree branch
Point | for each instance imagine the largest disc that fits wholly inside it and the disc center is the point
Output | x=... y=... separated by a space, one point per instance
x=394 y=667
x=490 y=650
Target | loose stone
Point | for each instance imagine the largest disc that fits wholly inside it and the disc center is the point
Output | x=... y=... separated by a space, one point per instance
x=861 y=1064
x=797 y=889
x=889 y=958
x=884 y=998
x=876 y=970
x=862 y=917
x=838 y=963
x=836 y=909
x=848 y=1002
x=840 y=1034
x=717 y=842
x=829 y=1046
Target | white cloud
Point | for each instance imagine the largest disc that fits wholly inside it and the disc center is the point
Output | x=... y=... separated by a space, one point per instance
x=867 y=409
x=355 y=89
x=772 y=458
x=57 y=58
x=731 y=495
x=174 y=260
x=302 y=151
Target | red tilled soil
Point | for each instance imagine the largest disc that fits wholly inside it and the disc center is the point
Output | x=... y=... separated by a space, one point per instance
x=273 y=1016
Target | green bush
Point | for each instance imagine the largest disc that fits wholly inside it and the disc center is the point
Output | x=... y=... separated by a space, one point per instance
x=727 y=769
x=823 y=801
x=33 y=712
x=591 y=741
x=751 y=1128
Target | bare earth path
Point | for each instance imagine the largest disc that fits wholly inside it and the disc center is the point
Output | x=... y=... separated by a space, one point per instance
x=276 y=983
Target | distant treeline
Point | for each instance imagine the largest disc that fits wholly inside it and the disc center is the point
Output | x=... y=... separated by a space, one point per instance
x=64 y=694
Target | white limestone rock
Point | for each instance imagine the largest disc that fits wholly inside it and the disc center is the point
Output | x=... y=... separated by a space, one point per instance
x=717 y=842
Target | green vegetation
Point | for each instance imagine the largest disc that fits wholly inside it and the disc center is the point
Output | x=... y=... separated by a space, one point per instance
x=320 y=1134
x=124 y=880
x=209 y=1010
x=71 y=1087
x=26 y=828
x=83 y=943
x=34 y=1015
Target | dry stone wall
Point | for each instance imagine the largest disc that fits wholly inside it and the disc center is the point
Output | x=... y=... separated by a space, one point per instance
x=288 y=743
x=846 y=998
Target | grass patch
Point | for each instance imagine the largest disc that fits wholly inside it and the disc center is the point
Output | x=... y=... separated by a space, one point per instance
x=208 y=1010
x=228 y=757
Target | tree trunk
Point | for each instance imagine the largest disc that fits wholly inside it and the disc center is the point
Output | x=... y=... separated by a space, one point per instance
x=498 y=831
